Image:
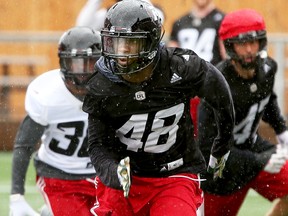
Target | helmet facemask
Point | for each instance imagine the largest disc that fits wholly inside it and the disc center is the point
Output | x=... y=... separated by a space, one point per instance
x=78 y=69
x=130 y=52
x=76 y=72
x=241 y=26
x=243 y=38
x=78 y=51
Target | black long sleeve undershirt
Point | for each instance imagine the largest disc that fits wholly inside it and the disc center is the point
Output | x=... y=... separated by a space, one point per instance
x=26 y=140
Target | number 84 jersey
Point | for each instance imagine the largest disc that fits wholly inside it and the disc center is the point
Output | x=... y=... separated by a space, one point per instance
x=64 y=141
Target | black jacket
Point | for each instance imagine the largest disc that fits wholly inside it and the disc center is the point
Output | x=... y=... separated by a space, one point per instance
x=156 y=130
x=254 y=99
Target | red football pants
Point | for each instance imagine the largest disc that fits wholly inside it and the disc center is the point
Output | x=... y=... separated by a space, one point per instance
x=270 y=186
x=170 y=196
x=68 y=197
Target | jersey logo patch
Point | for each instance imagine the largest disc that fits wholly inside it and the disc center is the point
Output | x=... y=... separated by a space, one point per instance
x=175 y=78
x=186 y=57
x=140 y=95
x=266 y=68
x=253 y=88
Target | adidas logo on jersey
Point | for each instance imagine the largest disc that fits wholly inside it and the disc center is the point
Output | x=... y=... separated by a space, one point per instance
x=186 y=57
x=175 y=78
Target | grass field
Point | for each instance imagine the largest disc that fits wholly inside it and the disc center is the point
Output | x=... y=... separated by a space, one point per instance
x=254 y=204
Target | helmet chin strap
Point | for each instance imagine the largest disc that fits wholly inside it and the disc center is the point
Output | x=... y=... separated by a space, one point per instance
x=73 y=90
x=135 y=67
x=257 y=65
x=247 y=65
x=132 y=68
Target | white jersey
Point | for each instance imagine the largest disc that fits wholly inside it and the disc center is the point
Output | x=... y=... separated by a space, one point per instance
x=64 y=142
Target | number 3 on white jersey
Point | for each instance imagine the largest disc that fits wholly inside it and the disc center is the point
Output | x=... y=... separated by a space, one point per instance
x=147 y=130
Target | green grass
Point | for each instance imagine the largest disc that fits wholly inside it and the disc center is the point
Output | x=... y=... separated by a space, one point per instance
x=32 y=195
x=253 y=205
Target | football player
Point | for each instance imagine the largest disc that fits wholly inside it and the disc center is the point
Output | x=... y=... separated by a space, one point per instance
x=198 y=30
x=254 y=162
x=140 y=133
x=54 y=114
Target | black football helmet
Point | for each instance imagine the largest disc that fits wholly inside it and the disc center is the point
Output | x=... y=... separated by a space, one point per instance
x=131 y=22
x=250 y=27
x=78 y=50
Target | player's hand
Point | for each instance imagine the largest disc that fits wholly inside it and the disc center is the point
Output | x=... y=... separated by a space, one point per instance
x=283 y=140
x=277 y=160
x=217 y=165
x=19 y=206
x=123 y=171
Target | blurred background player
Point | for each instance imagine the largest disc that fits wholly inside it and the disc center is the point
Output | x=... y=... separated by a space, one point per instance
x=93 y=10
x=140 y=130
x=198 y=31
x=53 y=103
x=253 y=162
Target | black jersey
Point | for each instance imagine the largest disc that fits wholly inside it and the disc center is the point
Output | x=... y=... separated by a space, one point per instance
x=254 y=99
x=200 y=35
x=151 y=122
